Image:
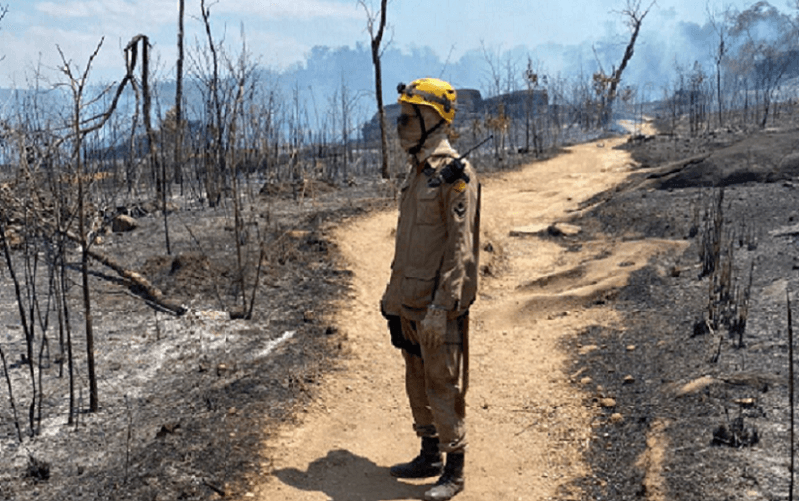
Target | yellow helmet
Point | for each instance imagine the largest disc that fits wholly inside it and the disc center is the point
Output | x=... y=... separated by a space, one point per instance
x=431 y=92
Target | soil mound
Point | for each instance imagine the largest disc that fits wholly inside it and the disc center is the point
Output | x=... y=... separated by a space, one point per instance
x=186 y=275
x=720 y=159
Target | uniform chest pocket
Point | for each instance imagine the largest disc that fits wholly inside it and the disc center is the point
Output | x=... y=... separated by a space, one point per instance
x=428 y=208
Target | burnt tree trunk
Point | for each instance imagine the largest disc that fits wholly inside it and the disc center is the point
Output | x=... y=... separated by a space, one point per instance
x=635 y=17
x=377 y=39
x=178 y=168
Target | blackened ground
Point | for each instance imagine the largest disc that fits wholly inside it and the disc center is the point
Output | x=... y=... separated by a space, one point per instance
x=699 y=415
x=186 y=403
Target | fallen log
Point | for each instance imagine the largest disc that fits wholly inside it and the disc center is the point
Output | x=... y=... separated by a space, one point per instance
x=146 y=289
x=143 y=287
x=675 y=167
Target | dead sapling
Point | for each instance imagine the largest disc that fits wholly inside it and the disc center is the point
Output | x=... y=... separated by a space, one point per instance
x=711 y=233
x=11 y=395
x=741 y=303
x=790 y=390
x=735 y=433
x=37 y=469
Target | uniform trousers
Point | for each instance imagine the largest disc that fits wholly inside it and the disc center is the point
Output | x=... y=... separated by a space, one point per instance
x=432 y=384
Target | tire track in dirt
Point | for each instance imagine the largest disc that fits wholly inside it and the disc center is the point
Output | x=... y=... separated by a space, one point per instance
x=528 y=422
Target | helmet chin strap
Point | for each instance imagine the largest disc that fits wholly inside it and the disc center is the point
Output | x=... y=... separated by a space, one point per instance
x=425 y=133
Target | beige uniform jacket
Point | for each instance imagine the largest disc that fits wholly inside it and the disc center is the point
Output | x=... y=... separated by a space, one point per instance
x=435 y=259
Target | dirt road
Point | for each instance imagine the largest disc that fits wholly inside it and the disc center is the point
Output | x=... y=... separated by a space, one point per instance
x=529 y=410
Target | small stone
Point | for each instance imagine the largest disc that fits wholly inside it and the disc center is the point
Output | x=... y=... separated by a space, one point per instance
x=528 y=230
x=584 y=350
x=123 y=223
x=629 y=379
x=745 y=402
x=14 y=239
x=168 y=429
x=586 y=380
x=607 y=403
x=616 y=418
x=563 y=229
x=630 y=347
x=298 y=234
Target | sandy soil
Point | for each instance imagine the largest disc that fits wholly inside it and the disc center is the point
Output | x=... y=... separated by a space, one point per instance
x=531 y=415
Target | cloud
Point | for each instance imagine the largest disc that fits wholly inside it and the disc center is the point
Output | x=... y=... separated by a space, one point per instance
x=277 y=51
x=152 y=11
x=77 y=9
x=23 y=58
x=295 y=9
x=158 y=10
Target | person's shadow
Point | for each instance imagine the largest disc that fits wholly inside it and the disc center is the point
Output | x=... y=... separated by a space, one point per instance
x=343 y=476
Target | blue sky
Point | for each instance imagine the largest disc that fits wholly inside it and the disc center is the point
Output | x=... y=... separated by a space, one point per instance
x=280 y=33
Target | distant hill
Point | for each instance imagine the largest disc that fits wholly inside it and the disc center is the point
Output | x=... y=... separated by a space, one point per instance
x=471 y=106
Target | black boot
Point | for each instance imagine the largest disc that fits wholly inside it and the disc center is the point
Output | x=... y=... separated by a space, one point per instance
x=427 y=464
x=451 y=482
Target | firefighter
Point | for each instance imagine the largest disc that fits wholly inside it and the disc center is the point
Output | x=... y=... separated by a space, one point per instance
x=433 y=282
